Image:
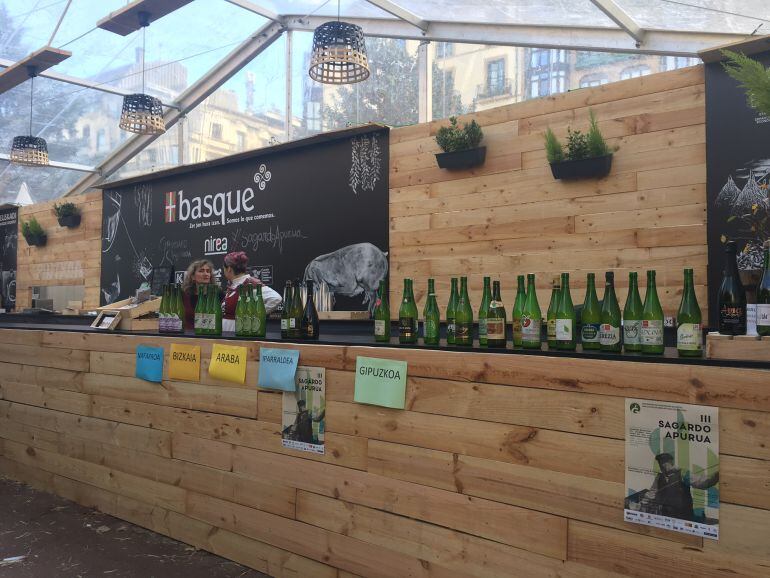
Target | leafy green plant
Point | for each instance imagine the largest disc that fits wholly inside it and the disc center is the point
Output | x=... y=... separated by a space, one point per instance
x=597 y=146
x=752 y=76
x=553 y=148
x=66 y=210
x=577 y=145
x=31 y=228
x=453 y=138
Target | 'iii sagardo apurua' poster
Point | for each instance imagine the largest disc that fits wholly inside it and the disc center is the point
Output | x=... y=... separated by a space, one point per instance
x=672 y=467
x=304 y=411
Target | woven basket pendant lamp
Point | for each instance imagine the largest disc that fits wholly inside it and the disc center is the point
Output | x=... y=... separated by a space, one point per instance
x=339 y=53
x=142 y=113
x=30 y=150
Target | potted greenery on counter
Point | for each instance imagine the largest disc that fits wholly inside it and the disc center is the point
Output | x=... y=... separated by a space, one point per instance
x=33 y=233
x=586 y=156
x=460 y=145
x=68 y=215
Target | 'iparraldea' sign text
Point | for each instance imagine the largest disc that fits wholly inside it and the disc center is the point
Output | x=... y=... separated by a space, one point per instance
x=380 y=382
x=277 y=368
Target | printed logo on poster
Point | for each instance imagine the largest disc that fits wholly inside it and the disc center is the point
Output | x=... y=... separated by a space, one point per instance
x=303 y=422
x=170 y=210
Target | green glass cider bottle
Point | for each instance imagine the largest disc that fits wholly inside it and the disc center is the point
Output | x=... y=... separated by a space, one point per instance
x=162 y=311
x=464 y=317
x=216 y=308
x=295 y=316
x=451 y=312
x=179 y=310
x=652 y=319
x=732 y=296
x=763 y=297
x=632 y=316
x=689 y=336
x=518 y=310
x=609 y=332
x=407 y=315
x=200 y=306
x=259 y=323
x=551 y=313
x=250 y=324
x=288 y=301
x=431 y=317
x=239 y=313
x=496 y=319
x=591 y=317
x=382 y=315
x=310 y=324
x=486 y=297
x=565 y=318
x=531 y=318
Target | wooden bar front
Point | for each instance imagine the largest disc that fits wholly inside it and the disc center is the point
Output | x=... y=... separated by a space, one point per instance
x=501 y=464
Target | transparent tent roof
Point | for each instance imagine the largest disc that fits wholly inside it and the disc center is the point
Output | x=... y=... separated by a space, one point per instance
x=230 y=86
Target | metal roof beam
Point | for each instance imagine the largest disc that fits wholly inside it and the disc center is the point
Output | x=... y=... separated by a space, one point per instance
x=251 y=7
x=568 y=37
x=189 y=99
x=400 y=13
x=58 y=165
x=621 y=18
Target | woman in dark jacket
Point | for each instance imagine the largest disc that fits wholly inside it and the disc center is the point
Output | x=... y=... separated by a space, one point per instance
x=199 y=272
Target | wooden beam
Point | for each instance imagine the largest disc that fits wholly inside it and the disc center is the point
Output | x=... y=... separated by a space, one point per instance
x=126 y=20
x=41 y=59
x=748 y=46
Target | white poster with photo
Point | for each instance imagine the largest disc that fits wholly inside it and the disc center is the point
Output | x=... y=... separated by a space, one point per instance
x=672 y=467
x=304 y=411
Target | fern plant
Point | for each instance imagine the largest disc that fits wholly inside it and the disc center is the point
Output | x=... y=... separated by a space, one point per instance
x=752 y=76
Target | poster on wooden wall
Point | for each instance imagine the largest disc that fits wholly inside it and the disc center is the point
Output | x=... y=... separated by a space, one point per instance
x=311 y=209
x=304 y=411
x=9 y=217
x=738 y=181
x=672 y=467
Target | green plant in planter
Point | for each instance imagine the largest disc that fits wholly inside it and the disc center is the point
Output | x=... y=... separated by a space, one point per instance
x=31 y=229
x=553 y=148
x=66 y=210
x=753 y=78
x=452 y=138
x=580 y=145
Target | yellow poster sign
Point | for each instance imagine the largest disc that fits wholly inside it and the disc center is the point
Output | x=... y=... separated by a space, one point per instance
x=184 y=362
x=228 y=362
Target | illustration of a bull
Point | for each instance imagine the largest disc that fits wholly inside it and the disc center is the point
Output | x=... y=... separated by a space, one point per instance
x=350 y=271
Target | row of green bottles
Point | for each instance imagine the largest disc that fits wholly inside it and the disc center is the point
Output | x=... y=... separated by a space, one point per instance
x=208 y=311
x=299 y=321
x=171 y=310
x=250 y=314
x=763 y=297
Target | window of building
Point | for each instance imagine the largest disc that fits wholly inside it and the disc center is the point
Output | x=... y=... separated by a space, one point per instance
x=593 y=80
x=675 y=62
x=241 y=136
x=495 y=77
x=547 y=72
x=216 y=131
x=444 y=49
x=634 y=72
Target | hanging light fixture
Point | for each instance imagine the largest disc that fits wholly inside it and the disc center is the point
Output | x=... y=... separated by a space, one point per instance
x=339 y=53
x=30 y=150
x=142 y=113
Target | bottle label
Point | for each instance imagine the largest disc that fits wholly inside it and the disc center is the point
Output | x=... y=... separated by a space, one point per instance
x=495 y=328
x=651 y=332
x=162 y=324
x=379 y=327
x=564 y=329
x=198 y=323
x=255 y=325
x=450 y=327
x=589 y=333
x=309 y=332
x=463 y=331
x=609 y=334
x=482 y=327
x=407 y=326
x=530 y=329
x=551 y=329
x=763 y=314
x=632 y=331
x=284 y=324
x=292 y=323
x=689 y=337
x=430 y=329
x=517 y=328
x=732 y=319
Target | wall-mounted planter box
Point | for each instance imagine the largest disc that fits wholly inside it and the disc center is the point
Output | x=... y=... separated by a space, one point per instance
x=458 y=160
x=595 y=168
x=70 y=221
x=36 y=240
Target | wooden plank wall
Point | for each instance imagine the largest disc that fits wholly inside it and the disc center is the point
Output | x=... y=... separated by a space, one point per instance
x=71 y=256
x=501 y=465
x=511 y=217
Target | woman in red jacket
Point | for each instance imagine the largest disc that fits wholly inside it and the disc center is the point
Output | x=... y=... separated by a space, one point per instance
x=235 y=272
x=199 y=272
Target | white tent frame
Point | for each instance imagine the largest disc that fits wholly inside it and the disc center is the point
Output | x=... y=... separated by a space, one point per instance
x=627 y=37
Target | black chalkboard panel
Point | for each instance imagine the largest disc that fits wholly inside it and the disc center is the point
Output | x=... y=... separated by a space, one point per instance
x=8 y=246
x=316 y=208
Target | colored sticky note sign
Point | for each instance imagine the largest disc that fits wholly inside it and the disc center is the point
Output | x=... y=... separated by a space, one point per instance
x=184 y=362
x=277 y=368
x=149 y=363
x=380 y=382
x=228 y=363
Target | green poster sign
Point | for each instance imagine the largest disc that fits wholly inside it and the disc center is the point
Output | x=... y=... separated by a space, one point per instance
x=380 y=382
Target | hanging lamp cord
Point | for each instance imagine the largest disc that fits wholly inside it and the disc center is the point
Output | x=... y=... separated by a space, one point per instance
x=31 y=92
x=144 y=49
